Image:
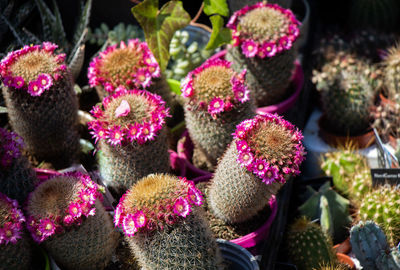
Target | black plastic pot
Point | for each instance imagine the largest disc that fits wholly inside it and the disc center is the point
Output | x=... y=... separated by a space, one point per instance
x=237 y=257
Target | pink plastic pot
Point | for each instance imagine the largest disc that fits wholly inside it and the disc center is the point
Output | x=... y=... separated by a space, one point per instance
x=297 y=83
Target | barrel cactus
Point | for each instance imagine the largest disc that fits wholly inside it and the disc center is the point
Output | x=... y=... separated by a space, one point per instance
x=371 y=248
x=391 y=72
x=41 y=102
x=263 y=42
x=130 y=128
x=15 y=246
x=265 y=152
x=17 y=178
x=164 y=225
x=216 y=100
x=308 y=246
x=66 y=216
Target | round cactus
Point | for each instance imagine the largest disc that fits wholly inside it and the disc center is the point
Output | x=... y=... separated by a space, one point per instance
x=133 y=140
x=216 y=100
x=164 y=226
x=263 y=36
x=392 y=70
x=41 y=102
x=67 y=218
x=308 y=246
x=332 y=266
x=15 y=248
x=265 y=152
x=387 y=118
x=17 y=178
x=382 y=205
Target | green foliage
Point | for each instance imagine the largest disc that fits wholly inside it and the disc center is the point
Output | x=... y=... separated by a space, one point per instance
x=220 y=35
x=121 y=32
x=330 y=208
x=212 y=7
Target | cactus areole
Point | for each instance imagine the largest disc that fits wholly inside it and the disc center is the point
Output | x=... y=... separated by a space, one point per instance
x=263 y=30
x=269 y=147
x=11 y=219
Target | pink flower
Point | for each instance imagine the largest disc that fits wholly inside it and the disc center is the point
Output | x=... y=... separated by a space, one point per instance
x=123 y=109
x=117 y=215
x=269 y=49
x=245 y=159
x=260 y=167
x=47 y=227
x=216 y=106
x=143 y=77
x=133 y=131
x=9 y=233
x=128 y=225
x=68 y=220
x=96 y=111
x=87 y=196
x=146 y=133
x=249 y=48
x=35 y=88
x=98 y=132
x=285 y=43
x=270 y=175
x=140 y=219
x=115 y=135
x=75 y=210
x=45 y=80
x=194 y=196
x=181 y=207
x=241 y=145
x=18 y=82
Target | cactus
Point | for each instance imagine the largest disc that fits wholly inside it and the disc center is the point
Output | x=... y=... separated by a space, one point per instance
x=15 y=247
x=387 y=118
x=216 y=100
x=263 y=36
x=164 y=227
x=120 y=32
x=67 y=218
x=17 y=178
x=308 y=246
x=347 y=91
x=41 y=102
x=265 y=152
x=132 y=137
x=361 y=184
x=391 y=72
x=332 y=266
x=382 y=205
x=371 y=248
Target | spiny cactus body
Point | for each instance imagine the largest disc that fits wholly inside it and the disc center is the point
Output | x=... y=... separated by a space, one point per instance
x=308 y=246
x=15 y=246
x=216 y=100
x=263 y=36
x=392 y=70
x=387 y=118
x=66 y=216
x=41 y=102
x=164 y=226
x=133 y=142
x=265 y=152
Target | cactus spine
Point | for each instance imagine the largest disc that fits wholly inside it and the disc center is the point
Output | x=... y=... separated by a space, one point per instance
x=164 y=226
x=392 y=69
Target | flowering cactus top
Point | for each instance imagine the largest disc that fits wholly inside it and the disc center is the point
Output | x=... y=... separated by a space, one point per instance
x=11 y=219
x=128 y=116
x=215 y=87
x=61 y=202
x=269 y=147
x=131 y=65
x=33 y=68
x=10 y=147
x=263 y=29
x=155 y=202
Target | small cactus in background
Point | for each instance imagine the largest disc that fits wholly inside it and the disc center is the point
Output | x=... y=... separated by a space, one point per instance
x=263 y=36
x=265 y=152
x=17 y=178
x=216 y=100
x=361 y=184
x=15 y=248
x=382 y=205
x=41 y=102
x=392 y=71
x=347 y=87
x=307 y=245
x=164 y=226
x=130 y=126
x=120 y=32
x=67 y=218
x=387 y=118
x=371 y=248
x=332 y=266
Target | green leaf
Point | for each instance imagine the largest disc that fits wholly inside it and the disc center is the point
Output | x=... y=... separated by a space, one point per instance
x=220 y=35
x=3 y=109
x=82 y=25
x=160 y=25
x=212 y=7
x=326 y=217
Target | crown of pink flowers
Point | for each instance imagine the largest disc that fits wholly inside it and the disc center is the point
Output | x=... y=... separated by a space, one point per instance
x=10 y=147
x=103 y=129
x=164 y=213
x=267 y=169
x=140 y=73
x=43 y=81
x=41 y=228
x=240 y=92
x=11 y=224
x=266 y=48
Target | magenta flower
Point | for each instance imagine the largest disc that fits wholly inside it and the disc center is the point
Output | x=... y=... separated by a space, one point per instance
x=45 y=80
x=140 y=219
x=98 y=132
x=123 y=109
x=115 y=135
x=35 y=88
x=133 y=131
x=117 y=215
x=260 y=167
x=245 y=159
x=249 y=48
x=47 y=227
x=143 y=77
x=18 y=82
x=87 y=196
x=68 y=220
x=242 y=145
x=181 y=207
x=75 y=210
x=128 y=225
x=269 y=49
x=194 y=196
x=216 y=106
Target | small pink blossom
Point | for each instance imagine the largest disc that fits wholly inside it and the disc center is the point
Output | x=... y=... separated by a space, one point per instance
x=140 y=219
x=18 y=82
x=128 y=225
x=47 y=227
x=245 y=159
x=194 y=196
x=68 y=220
x=249 y=48
x=216 y=106
x=181 y=207
x=35 y=88
x=75 y=210
x=115 y=135
x=123 y=109
x=45 y=80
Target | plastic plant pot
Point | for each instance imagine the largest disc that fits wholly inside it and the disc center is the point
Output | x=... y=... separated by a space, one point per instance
x=237 y=257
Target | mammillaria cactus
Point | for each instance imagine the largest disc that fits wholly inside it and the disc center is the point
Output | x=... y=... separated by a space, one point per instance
x=392 y=70
x=263 y=36
x=308 y=246
x=164 y=226
x=387 y=118
x=66 y=216
x=15 y=249
x=216 y=100
x=382 y=205
x=17 y=178
x=42 y=104
x=265 y=152
x=371 y=248
x=133 y=141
